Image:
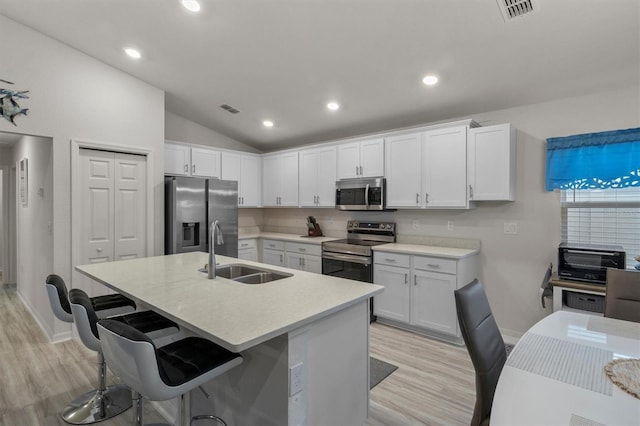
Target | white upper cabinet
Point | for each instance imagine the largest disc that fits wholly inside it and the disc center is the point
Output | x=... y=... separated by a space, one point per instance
x=403 y=168
x=492 y=163
x=444 y=168
x=205 y=163
x=177 y=160
x=361 y=159
x=427 y=169
x=280 y=180
x=318 y=177
x=246 y=169
x=182 y=160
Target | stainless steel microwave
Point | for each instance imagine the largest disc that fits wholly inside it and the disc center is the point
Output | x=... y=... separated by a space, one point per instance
x=361 y=194
x=589 y=263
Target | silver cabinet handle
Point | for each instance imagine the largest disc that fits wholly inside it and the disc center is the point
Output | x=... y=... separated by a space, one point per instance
x=303 y=264
x=426 y=198
x=193 y=168
x=300 y=262
x=417 y=198
x=390 y=260
x=302 y=249
x=415 y=280
x=357 y=171
x=433 y=265
x=186 y=168
x=360 y=170
x=406 y=278
x=99 y=250
x=470 y=192
x=272 y=245
x=244 y=245
x=281 y=259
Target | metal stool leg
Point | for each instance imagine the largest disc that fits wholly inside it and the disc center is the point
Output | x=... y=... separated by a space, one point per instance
x=100 y=404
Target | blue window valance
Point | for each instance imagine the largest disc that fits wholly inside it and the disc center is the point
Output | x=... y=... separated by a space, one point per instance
x=594 y=160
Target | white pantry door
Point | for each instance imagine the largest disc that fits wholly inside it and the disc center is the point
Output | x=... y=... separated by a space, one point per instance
x=112 y=209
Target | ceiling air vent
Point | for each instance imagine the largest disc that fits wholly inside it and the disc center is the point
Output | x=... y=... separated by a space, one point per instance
x=229 y=108
x=517 y=8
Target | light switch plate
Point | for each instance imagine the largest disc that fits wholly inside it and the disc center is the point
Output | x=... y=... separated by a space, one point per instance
x=296 y=379
x=511 y=228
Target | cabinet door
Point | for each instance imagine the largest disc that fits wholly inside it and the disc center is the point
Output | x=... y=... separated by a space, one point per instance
x=444 y=168
x=248 y=254
x=289 y=180
x=394 y=301
x=205 y=163
x=176 y=160
x=372 y=158
x=403 y=165
x=295 y=261
x=312 y=263
x=432 y=302
x=273 y=257
x=271 y=174
x=326 y=177
x=308 y=177
x=250 y=180
x=492 y=163
x=230 y=170
x=348 y=163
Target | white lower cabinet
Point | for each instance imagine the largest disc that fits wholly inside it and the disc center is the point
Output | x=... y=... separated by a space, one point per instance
x=248 y=249
x=418 y=291
x=273 y=252
x=304 y=257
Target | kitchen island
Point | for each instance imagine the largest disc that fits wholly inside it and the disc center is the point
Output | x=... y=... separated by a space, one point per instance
x=315 y=323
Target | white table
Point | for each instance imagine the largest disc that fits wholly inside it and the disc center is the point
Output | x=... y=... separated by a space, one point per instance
x=555 y=376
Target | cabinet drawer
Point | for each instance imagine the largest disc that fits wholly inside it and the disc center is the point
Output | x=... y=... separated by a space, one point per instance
x=303 y=248
x=247 y=243
x=273 y=244
x=435 y=264
x=393 y=259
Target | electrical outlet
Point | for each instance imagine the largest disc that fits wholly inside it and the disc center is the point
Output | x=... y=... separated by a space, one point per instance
x=296 y=379
x=511 y=228
x=450 y=225
x=416 y=224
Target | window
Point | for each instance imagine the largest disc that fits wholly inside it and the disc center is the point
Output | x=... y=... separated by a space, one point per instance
x=603 y=216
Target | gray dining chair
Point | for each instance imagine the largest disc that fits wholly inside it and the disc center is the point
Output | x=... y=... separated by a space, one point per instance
x=622 y=297
x=484 y=343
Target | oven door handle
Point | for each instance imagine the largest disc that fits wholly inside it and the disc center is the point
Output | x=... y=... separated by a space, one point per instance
x=366 y=196
x=347 y=258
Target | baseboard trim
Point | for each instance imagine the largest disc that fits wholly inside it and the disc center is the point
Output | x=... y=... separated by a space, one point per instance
x=35 y=317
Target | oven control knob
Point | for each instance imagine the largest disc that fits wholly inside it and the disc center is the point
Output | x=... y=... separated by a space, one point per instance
x=388 y=226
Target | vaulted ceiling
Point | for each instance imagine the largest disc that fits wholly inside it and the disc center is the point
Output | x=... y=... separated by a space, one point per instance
x=283 y=60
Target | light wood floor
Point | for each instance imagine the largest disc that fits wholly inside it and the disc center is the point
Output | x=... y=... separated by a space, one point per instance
x=434 y=384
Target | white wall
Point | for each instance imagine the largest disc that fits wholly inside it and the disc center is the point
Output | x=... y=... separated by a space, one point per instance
x=180 y=129
x=73 y=96
x=511 y=266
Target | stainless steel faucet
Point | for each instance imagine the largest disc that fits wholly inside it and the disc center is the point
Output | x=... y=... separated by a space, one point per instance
x=214 y=231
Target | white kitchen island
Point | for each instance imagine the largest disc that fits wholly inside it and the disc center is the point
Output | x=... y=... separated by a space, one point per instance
x=317 y=323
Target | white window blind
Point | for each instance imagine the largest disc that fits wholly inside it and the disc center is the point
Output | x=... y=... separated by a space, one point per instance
x=603 y=216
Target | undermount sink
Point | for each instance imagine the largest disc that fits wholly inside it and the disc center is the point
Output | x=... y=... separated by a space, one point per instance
x=249 y=274
x=234 y=271
x=262 y=277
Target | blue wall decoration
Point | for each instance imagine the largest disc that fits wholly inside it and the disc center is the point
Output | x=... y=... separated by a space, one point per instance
x=9 y=107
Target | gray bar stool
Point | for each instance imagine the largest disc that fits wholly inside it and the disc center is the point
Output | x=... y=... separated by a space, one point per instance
x=59 y=300
x=166 y=372
x=106 y=402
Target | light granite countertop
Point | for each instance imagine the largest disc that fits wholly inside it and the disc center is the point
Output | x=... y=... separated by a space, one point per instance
x=286 y=237
x=448 y=252
x=234 y=315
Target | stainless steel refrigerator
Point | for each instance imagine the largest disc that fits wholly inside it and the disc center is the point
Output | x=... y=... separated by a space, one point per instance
x=191 y=205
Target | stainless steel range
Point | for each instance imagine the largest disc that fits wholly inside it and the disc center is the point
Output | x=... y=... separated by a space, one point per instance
x=352 y=257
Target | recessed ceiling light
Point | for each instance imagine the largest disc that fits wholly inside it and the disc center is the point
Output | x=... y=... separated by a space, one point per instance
x=191 y=5
x=267 y=123
x=134 y=53
x=333 y=106
x=430 y=80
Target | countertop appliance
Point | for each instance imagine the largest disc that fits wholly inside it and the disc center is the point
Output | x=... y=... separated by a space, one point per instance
x=589 y=262
x=191 y=204
x=361 y=194
x=352 y=257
